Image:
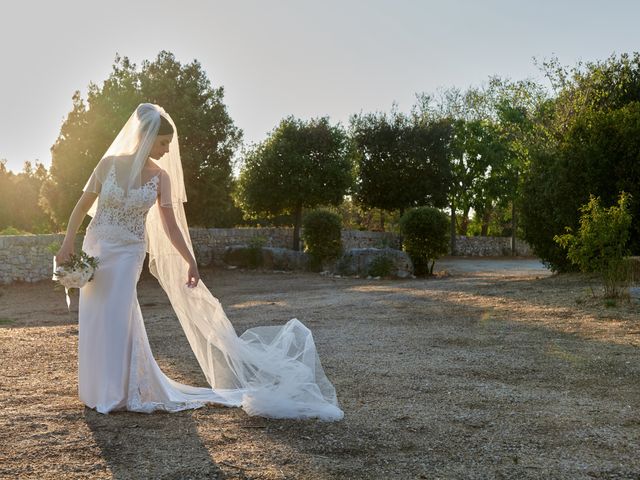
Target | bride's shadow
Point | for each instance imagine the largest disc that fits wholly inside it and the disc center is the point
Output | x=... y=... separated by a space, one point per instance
x=157 y=445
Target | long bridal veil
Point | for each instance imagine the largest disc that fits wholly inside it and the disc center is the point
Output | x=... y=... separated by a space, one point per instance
x=271 y=371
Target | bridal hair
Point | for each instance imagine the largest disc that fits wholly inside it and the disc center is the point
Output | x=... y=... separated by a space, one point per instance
x=165 y=127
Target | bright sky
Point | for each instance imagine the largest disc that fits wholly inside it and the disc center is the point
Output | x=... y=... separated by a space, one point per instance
x=281 y=57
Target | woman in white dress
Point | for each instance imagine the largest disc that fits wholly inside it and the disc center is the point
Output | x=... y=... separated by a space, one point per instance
x=135 y=196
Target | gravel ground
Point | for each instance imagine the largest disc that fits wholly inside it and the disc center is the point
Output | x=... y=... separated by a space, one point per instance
x=481 y=372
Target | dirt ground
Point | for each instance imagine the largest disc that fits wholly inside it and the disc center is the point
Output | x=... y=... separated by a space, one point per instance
x=478 y=373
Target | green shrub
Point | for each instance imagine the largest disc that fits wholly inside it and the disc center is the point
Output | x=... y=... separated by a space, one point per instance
x=381 y=266
x=254 y=251
x=13 y=231
x=322 y=235
x=600 y=244
x=425 y=233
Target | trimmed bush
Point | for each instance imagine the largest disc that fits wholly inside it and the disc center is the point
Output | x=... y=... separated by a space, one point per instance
x=322 y=235
x=254 y=252
x=381 y=266
x=246 y=256
x=425 y=232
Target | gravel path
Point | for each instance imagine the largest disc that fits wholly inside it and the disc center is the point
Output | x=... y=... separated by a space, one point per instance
x=483 y=372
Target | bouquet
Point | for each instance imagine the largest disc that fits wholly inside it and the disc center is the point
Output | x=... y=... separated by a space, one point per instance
x=75 y=272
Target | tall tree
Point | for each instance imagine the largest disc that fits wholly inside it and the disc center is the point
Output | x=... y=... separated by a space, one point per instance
x=300 y=165
x=28 y=213
x=492 y=126
x=208 y=137
x=520 y=108
x=19 y=194
x=401 y=162
x=591 y=143
x=6 y=195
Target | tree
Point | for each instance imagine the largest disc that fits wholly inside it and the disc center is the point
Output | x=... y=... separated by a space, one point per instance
x=520 y=107
x=480 y=179
x=208 y=138
x=19 y=195
x=6 y=195
x=401 y=162
x=492 y=131
x=28 y=213
x=300 y=165
x=591 y=143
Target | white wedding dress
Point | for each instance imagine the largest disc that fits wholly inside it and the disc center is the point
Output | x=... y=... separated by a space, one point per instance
x=269 y=371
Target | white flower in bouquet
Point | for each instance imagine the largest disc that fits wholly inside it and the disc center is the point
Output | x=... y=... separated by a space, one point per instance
x=75 y=272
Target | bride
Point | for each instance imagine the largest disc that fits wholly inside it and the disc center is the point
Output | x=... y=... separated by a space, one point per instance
x=135 y=196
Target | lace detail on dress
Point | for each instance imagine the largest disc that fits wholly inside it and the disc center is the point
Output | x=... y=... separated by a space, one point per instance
x=139 y=388
x=120 y=218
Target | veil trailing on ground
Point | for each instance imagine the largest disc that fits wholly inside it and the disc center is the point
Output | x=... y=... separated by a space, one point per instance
x=271 y=371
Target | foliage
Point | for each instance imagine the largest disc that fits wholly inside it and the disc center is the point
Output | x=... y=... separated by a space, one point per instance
x=358 y=217
x=494 y=222
x=425 y=233
x=255 y=244
x=481 y=177
x=401 y=162
x=600 y=245
x=322 y=234
x=493 y=125
x=13 y=231
x=77 y=262
x=302 y=164
x=54 y=247
x=590 y=146
x=381 y=266
x=208 y=138
x=19 y=205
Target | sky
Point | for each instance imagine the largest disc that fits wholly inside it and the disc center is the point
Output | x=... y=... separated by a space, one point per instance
x=276 y=58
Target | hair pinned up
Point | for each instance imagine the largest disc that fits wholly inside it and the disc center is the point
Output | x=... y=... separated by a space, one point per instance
x=165 y=127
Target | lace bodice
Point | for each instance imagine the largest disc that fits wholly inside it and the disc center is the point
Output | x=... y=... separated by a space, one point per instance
x=121 y=218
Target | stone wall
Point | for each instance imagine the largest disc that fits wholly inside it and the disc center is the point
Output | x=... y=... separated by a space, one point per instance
x=27 y=258
x=490 y=247
x=209 y=243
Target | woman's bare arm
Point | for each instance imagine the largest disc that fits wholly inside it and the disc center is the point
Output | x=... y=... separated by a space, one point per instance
x=78 y=214
x=172 y=230
x=177 y=239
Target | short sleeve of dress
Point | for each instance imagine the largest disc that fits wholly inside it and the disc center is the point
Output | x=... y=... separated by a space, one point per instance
x=93 y=185
x=98 y=176
x=164 y=190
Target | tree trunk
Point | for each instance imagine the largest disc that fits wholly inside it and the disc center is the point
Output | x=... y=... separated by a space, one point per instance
x=464 y=224
x=369 y=220
x=514 y=222
x=296 y=227
x=513 y=228
x=453 y=229
x=486 y=218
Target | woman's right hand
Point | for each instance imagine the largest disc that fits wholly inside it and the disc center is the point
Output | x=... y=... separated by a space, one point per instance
x=64 y=253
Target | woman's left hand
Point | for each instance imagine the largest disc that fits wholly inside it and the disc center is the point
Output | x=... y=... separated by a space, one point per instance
x=193 y=276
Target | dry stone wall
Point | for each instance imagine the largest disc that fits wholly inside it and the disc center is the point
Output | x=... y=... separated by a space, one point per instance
x=28 y=258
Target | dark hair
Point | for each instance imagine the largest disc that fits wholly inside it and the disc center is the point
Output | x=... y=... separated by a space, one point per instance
x=165 y=127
